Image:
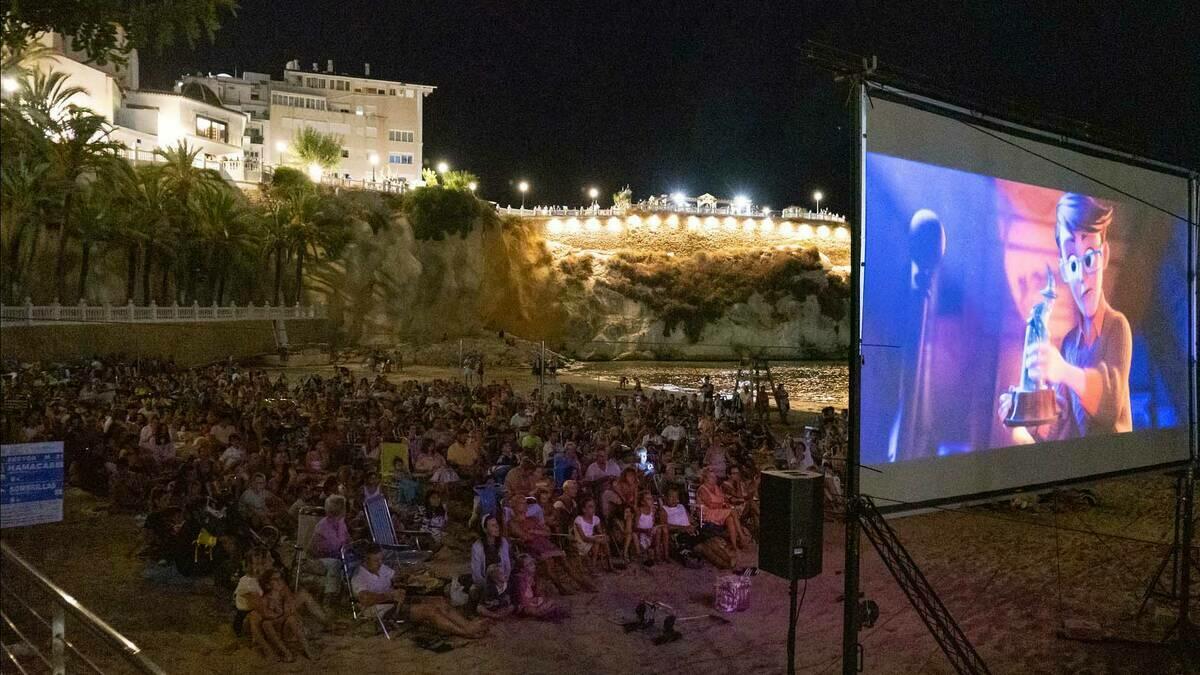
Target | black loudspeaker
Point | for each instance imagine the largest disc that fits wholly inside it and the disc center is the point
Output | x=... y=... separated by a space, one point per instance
x=791 y=524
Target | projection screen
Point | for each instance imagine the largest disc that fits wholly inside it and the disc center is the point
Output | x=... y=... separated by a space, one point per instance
x=1027 y=318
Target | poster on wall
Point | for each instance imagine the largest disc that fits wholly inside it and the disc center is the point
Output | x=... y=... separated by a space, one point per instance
x=31 y=483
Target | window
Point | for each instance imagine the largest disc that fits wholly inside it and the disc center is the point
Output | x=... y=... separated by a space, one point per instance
x=400 y=136
x=391 y=92
x=212 y=129
x=345 y=153
x=358 y=110
x=408 y=93
x=404 y=158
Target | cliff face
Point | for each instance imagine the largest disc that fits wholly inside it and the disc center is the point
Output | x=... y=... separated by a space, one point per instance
x=502 y=275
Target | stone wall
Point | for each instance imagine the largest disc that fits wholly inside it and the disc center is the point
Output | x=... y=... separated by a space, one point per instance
x=187 y=343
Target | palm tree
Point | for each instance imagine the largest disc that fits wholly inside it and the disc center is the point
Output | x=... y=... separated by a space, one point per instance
x=227 y=235
x=77 y=147
x=22 y=206
x=182 y=183
x=96 y=221
x=316 y=149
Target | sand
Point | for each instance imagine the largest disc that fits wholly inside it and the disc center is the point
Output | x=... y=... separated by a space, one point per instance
x=1009 y=579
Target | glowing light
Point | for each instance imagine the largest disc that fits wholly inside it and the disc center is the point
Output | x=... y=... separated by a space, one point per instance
x=280 y=146
x=614 y=225
x=523 y=186
x=805 y=231
x=748 y=225
x=653 y=221
x=817 y=197
x=786 y=228
x=741 y=201
x=442 y=167
x=472 y=185
x=373 y=159
x=633 y=221
x=711 y=223
x=314 y=172
x=9 y=84
x=573 y=225
x=766 y=210
x=841 y=233
x=693 y=223
x=679 y=198
x=593 y=193
x=673 y=220
x=592 y=224
x=768 y=226
x=730 y=223
x=555 y=226
x=823 y=231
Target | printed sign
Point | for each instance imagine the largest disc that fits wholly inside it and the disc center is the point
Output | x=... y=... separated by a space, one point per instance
x=31 y=483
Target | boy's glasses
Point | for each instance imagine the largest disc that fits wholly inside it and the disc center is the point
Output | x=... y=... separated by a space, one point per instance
x=1076 y=266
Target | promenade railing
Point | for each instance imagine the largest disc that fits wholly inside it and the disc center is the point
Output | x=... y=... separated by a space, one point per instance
x=29 y=314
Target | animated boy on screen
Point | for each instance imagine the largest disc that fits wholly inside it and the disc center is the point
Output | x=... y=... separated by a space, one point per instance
x=1090 y=373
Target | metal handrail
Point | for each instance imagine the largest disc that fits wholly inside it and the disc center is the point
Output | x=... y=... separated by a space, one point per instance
x=109 y=635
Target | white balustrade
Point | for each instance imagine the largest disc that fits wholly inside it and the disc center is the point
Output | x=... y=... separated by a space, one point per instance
x=29 y=314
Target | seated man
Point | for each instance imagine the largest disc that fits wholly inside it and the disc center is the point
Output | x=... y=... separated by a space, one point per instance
x=377 y=589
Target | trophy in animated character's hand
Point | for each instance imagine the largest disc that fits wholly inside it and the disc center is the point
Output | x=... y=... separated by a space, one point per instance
x=1034 y=404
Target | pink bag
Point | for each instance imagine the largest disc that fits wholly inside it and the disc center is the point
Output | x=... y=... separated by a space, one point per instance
x=731 y=593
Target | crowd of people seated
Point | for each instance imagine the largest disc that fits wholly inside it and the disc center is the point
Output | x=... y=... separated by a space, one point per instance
x=224 y=462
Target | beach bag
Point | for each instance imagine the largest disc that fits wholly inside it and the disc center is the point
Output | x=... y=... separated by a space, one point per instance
x=731 y=593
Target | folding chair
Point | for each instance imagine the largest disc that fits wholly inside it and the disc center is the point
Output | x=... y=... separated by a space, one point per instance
x=383 y=533
x=360 y=614
x=306 y=525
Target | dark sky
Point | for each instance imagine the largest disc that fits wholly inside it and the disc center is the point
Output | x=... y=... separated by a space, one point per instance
x=714 y=96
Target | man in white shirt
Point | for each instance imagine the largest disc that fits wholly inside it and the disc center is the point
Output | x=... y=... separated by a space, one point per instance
x=234 y=454
x=602 y=468
x=673 y=432
x=373 y=587
x=520 y=420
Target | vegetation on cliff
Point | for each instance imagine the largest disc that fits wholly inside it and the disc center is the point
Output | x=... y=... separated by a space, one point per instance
x=694 y=291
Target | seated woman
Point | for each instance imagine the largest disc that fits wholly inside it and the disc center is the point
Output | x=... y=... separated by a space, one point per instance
x=651 y=531
x=686 y=538
x=278 y=619
x=717 y=511
x=491 y=549
x=622 y=517
x=590 y=540
x=743 y=496
x=533 y=537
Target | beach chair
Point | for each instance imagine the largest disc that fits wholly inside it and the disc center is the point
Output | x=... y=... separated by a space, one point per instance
x=360 y=614
x=383 y=533
x=306 y=525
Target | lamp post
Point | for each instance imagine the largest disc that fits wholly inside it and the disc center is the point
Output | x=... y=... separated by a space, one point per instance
x=523 y=187
x=594 y=195
x=280 y=148
x=373 y=159
x=817 y=197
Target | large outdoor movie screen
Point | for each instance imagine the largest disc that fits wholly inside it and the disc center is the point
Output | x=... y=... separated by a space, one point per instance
x=1025 y=318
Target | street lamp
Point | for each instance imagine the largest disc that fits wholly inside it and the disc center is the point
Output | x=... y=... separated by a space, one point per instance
x=472 y=185
x=679 y=198
x=817 y=197
x=280 y=148
x=594 y=194
x=10 y=84
x=442 y=167
x=741 y=203
x=373 y=159
x=523 y=187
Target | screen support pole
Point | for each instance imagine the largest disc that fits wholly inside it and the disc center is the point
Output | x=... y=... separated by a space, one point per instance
x=850 y=621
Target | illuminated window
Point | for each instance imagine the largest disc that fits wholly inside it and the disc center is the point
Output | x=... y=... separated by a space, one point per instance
x=212 y=129
x=404 y=158
x=401 y=136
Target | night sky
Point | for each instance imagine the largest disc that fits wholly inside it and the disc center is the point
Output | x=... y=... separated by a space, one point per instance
x=715 y=96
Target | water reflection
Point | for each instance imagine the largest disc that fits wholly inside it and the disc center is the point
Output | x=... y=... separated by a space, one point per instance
x=810 y=384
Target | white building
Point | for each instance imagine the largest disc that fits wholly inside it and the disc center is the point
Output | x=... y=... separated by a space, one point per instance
x=144 y=120
x=380 y=122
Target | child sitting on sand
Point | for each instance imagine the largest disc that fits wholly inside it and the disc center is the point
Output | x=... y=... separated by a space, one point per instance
x=496 y=602
x=530 y=600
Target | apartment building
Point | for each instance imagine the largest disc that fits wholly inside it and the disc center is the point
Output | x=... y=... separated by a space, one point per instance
x=379 y=122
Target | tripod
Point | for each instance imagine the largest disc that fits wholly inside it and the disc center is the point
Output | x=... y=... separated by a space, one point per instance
x=1180 y=561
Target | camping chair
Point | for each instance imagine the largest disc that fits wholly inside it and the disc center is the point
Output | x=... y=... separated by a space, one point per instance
x=359 y=613
x=488 y=498
x=383 y=533
x=306 y=525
